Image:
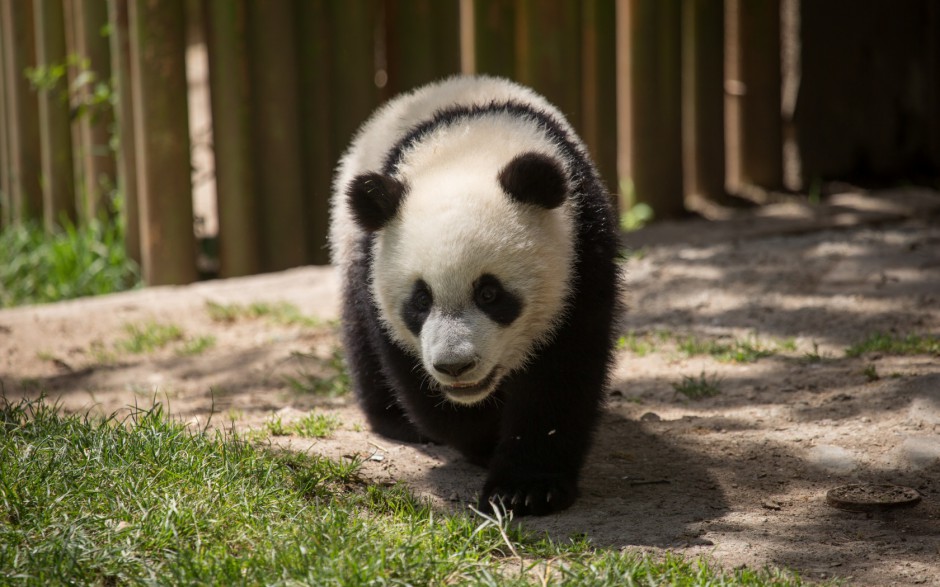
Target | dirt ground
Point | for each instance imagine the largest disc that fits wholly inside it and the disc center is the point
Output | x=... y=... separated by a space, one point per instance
x=739 y=478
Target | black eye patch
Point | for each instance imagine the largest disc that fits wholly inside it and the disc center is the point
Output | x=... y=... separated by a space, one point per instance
x=417 y=307
x=495 y=301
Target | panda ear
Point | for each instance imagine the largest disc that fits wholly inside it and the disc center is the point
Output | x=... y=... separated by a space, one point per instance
x=534 y=178
x=374 y=199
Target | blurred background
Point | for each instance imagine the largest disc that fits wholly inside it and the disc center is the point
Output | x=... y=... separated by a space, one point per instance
x=197 y=138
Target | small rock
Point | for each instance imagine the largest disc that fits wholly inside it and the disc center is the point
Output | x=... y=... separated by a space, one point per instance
x=650 y=417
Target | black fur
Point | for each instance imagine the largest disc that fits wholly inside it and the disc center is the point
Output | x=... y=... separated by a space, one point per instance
x=374 y=199
x=534 y=432
x=417 y=307
x=534 y=178
x=501 y=306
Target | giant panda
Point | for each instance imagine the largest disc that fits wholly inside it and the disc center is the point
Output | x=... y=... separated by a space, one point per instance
x=477 y=250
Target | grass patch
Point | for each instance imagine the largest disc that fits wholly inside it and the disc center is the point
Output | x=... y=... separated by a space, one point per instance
x=743 y=350
x=638 y=344
x=283 y=313
x=148 y=337
x=813 y=356
x=700 y=387
x=151 y=336
x=144 y=499
x=747 y=350
x=334 y=383
x=871 y=373
x=196 y=345
x=893 y=344
x=36 y=267
x=313 y=425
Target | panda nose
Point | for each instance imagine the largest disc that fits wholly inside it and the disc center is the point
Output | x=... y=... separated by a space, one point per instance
x=455 y=369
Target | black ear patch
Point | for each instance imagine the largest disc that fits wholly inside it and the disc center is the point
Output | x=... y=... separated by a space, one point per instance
x=374 y=198
x=533 y=178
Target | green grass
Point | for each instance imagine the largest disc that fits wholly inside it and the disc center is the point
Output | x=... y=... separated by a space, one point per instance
x=738 y=350
x=152 y=336
x=700 y=387
x=144 y=499
x=148 y=337
x=38 y=268
x=895 y=344
x=746 y=350
x=196 y=345
x=637 y=344
x=334 y=383
x=313 y=425
x=813 y=356
x=283 y=313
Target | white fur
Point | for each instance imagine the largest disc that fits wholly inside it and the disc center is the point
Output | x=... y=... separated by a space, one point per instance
x=455 y=224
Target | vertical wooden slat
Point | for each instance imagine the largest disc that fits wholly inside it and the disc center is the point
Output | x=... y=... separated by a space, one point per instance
x=653 y=129
x=54 y=124
x=754 y=126
x=495 y=46
x=19 y=53
x=238 y=201
x=158 y=45
x=6 y=202
x=548 y=52
x=703 y=100
x=272 y=71
x=468 y=45
x=423 y=41
x=933 y=89
x=599 y=83
x=354 y=91
x=126 y=159
x=98 y=159
x=319 y=154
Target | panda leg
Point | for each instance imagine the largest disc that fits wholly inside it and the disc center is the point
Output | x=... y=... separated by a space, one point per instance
x=376 y=397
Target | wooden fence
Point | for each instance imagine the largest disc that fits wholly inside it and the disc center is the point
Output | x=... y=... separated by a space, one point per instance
x=682 y=102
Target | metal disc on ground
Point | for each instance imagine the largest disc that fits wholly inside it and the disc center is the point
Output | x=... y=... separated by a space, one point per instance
x=870 y=497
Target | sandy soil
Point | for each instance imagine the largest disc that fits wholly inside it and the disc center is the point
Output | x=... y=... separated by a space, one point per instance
x=739 y=478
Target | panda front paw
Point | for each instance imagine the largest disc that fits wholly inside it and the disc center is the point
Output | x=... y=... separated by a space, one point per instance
x=527 y=496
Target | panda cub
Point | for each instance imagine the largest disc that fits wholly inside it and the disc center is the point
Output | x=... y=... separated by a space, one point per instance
x=477 y=250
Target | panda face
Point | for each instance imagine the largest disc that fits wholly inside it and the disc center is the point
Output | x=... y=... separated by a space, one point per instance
x=470 y=278
x=456 y=344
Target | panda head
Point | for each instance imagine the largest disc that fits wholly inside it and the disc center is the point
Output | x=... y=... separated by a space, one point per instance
x=471 y=263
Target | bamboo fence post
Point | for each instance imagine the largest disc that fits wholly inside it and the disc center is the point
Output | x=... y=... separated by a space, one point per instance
x=599 y=83
x=753 y=107
x=494 y=37
x=238 y=201
x=158 y=44
x=319 y=156
x=703 y=141
x=273 y=74
x=95 y=127
x=423 y=41
x=548 y=52
x=650 y=103
x=6 y=200
x=25 y=166
x=126 y=158
x=55 y=126
x=353 y=75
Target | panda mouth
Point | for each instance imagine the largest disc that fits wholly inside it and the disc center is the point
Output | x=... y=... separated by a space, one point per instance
x=463 y=392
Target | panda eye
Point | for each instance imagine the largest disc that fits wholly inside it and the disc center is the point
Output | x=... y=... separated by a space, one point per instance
x=487 y=294
x=422 y=300
x=500 y=304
